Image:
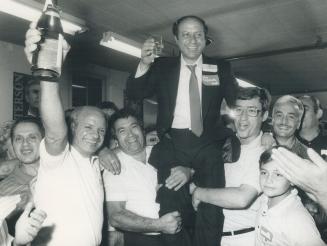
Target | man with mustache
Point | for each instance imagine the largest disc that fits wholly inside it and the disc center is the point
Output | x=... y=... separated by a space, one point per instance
x=286 y=120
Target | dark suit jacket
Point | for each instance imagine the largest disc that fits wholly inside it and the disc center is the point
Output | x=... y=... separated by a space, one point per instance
x=162 y=80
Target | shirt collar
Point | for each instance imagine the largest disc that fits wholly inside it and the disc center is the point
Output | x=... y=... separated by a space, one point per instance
x=254 y=143
x=77 y=154
x=281 y=205
x=198 y=62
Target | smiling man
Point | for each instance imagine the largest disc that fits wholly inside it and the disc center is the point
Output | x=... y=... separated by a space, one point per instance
x=239 y=196
x=189 y=89
x=131 y=196
x=69 y=185
x=26 y=135
x=287 y=114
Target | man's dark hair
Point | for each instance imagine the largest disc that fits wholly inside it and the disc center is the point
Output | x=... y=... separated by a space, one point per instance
x=107 y=105
x=180 y=20
x=266 y=156
x=249 y=93
x=27 y=119
x=123 y=113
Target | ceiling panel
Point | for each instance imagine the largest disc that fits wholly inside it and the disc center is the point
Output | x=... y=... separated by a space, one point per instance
x=238 y=27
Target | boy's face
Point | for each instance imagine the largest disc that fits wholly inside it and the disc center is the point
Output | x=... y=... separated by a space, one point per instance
x=273 y=184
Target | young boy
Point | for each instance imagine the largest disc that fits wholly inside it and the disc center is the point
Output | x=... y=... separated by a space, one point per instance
x=282 y=219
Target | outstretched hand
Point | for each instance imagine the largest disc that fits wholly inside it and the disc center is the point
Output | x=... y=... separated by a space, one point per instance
x=310 y=176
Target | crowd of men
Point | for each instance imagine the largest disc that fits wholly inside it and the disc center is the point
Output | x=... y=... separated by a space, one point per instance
x=93 y=179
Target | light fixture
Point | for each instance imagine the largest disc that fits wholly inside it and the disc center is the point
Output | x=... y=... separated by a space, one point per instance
x=117 y=42
x=244 y=83
x=31 y=11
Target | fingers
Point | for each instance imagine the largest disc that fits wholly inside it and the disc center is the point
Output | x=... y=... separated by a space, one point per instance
x=148 y=47
x=38 y=215
x=32 y=36
x=175 y=213
x=285 y=161
x=114 y=167
x=28 y=209
x=174 y=181
x=180 y=185
x=192 y=188
x=316 y=158
x=195 y=203
x=110 y=163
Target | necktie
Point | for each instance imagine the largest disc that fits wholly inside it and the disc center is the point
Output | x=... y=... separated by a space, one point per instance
x=195 y=103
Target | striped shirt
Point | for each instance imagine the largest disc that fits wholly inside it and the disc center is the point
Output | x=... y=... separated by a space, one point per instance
x=17 y=183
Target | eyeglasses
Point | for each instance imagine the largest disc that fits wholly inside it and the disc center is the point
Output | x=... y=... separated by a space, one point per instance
x=250 y=111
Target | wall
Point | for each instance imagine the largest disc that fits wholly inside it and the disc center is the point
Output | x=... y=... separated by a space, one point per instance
x=13 y=60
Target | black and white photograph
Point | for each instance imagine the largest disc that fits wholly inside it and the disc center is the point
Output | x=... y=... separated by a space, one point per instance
x=163 y=123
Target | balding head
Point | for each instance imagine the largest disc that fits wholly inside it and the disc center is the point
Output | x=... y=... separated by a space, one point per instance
x=88 y=129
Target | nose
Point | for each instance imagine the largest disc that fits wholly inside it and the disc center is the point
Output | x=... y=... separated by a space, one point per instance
x=284 y=120
x=26 y=141
x=95 y=134
x=269 y=179
x=193 y=38
x=244 y=114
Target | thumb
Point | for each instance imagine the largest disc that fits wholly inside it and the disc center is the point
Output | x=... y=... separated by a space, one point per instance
x=175 y=213
x=28 y=209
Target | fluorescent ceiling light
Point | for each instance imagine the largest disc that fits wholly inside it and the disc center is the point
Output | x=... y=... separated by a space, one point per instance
x=244 y=83
x=117 y=42
x=31 y=11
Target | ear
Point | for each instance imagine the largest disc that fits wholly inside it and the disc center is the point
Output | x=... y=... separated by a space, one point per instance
x=72 y=126
x=319 y=113
x=176 y=39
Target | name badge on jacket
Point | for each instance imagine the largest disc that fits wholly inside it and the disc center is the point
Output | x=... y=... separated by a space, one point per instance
x=210 y=75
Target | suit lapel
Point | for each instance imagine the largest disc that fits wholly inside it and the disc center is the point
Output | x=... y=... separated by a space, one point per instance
x=173 y=80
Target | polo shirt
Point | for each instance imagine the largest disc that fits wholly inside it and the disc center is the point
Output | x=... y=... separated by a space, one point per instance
x=16 y=183
x=288 y=223
x=69 y=189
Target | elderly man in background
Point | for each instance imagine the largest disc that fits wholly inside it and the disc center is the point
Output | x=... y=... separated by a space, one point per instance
x=310 y=134
x=287 y=114
x=32 y=97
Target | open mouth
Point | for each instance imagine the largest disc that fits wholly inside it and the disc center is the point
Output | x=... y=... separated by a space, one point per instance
x=26 y=151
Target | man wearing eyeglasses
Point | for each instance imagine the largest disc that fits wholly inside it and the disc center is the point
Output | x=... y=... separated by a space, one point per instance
x=239 y=197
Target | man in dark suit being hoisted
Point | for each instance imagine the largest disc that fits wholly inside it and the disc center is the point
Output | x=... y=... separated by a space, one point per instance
x=189 y=90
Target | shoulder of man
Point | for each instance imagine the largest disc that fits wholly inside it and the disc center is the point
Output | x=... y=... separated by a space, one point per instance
x=214 y=60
